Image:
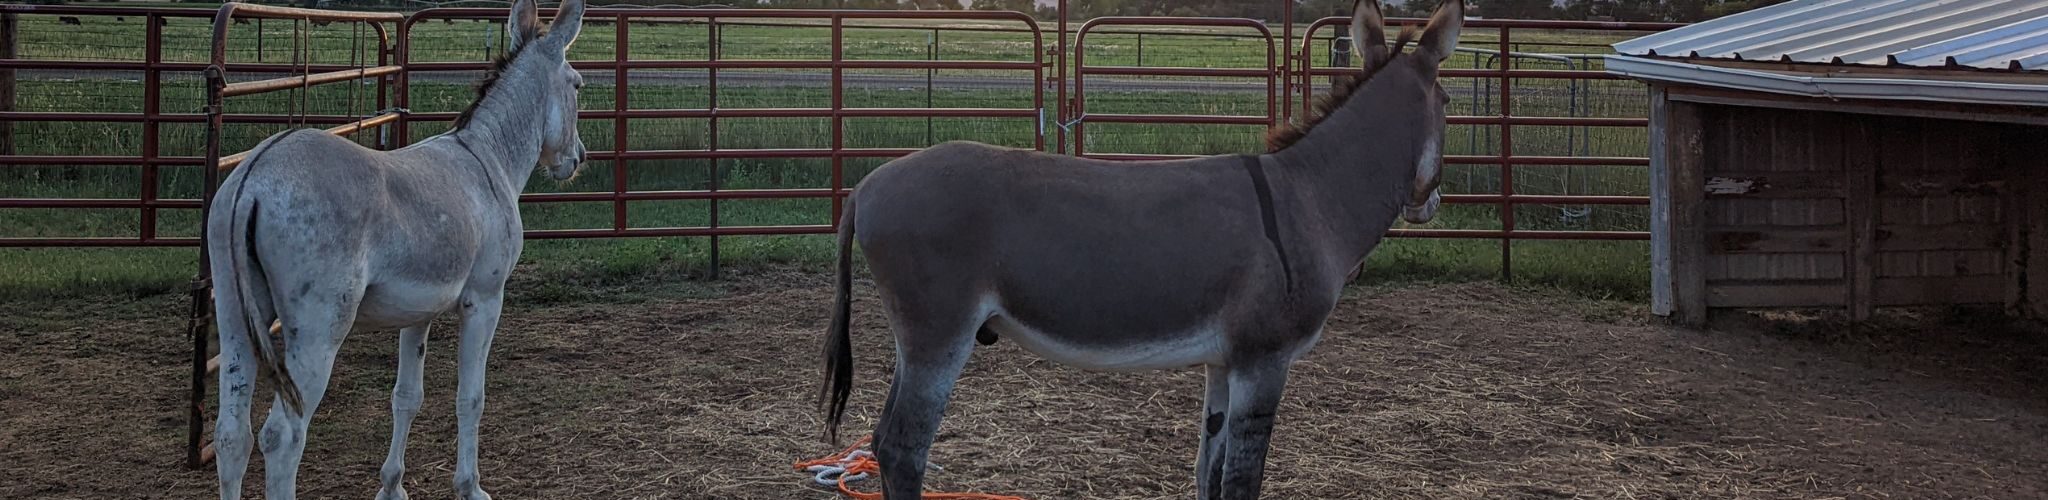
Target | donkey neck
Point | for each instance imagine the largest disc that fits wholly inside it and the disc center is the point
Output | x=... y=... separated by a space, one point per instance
x=1352 y=174
x=503 y=130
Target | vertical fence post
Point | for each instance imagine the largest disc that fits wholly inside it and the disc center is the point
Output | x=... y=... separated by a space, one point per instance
x=620 y=51
x=1060 y=80
x=931 y=54
x=202 y=287
x=1340 y=56
x=152 y=90
x=7 y=51
x=1141 y=50
x=711 y=89
x=1507 y=160
x=1287 y=56
x=401 y=52
x=838 y=113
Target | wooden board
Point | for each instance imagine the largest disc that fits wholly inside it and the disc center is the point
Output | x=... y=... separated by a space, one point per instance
x=1859 y=162
x=1958 y=182
x=1777 y=293
x=1982 y=289
x=1685 y=158
x=1769 y=185
x=1661 y=293
x=1776 y=239
x=1903 y=238
x=1775 y=266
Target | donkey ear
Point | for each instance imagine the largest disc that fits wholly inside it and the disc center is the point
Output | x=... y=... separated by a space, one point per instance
x=1440 y=38
x=1369 y=33
x=568 y=22
x=523 y=26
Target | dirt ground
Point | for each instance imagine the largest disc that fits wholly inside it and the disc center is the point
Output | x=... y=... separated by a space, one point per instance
x=1422 y=391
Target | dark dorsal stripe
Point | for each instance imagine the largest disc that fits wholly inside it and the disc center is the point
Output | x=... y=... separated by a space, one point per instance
x=1266 y=215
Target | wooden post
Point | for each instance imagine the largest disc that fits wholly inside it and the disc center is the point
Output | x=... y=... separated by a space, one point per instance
x=2014 y=206
x=7 y=51
x=1860 y=153
x=2024 y=163
x=1661 y=292
x=1684 y=158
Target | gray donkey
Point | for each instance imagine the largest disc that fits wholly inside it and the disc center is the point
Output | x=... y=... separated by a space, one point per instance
x=1231 y=262
x=329 y=237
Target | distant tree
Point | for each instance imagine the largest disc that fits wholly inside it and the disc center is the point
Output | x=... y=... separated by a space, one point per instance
x=1687 y=10
x=1025 y=6
x=1735 y=6
x=1310 y=10
x=1515 y=9
x=1683 y=11
x=1407 y=8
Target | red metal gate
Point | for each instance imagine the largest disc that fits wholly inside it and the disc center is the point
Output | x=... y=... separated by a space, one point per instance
x=1506 y=118
x=1286 y=73
x=622 y=62
x=1268 y=73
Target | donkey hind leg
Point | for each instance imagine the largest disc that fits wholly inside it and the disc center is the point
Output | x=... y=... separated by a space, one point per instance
x=1215 y=407
x=479 y=324
x=313 y=333
x=923 y=384
x=1254 y=398
x=232 y=436
x=405 y=403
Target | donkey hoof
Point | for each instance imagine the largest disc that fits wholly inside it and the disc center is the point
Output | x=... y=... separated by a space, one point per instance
x=472 y=493
x=392 y=493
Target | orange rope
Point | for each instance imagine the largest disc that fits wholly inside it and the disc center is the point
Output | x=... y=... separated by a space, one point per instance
x=851 y=462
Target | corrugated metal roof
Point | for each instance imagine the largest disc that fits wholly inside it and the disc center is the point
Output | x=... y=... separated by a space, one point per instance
x=1988 y=34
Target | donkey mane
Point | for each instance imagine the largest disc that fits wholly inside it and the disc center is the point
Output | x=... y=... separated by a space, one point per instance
x=490 y=79
x=1286 y=134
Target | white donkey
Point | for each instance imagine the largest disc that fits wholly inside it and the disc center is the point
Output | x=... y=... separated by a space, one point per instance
x=329 y=237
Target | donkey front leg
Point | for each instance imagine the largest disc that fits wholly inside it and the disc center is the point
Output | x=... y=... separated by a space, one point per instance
x=479 y=324
x=1209 y=460
x=406 y=396
x=927 y=365
x=1254 y=399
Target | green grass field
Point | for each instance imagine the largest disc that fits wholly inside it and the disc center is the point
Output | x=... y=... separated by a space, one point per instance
x=584 y=269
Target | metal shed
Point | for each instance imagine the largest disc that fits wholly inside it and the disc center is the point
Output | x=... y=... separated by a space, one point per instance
x=1849 y=153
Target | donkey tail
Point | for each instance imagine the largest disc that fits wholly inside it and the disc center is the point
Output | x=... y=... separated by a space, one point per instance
x=839 y=337
x=248 y=271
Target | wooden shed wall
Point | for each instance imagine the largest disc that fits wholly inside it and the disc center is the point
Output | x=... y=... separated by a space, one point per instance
x=1811 y=208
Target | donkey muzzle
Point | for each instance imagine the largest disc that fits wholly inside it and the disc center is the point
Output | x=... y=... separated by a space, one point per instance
x=1423 y=213
x=565 y=170
x=566 y=166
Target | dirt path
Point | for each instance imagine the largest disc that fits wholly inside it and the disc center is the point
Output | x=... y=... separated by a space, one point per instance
x=1450 y=391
